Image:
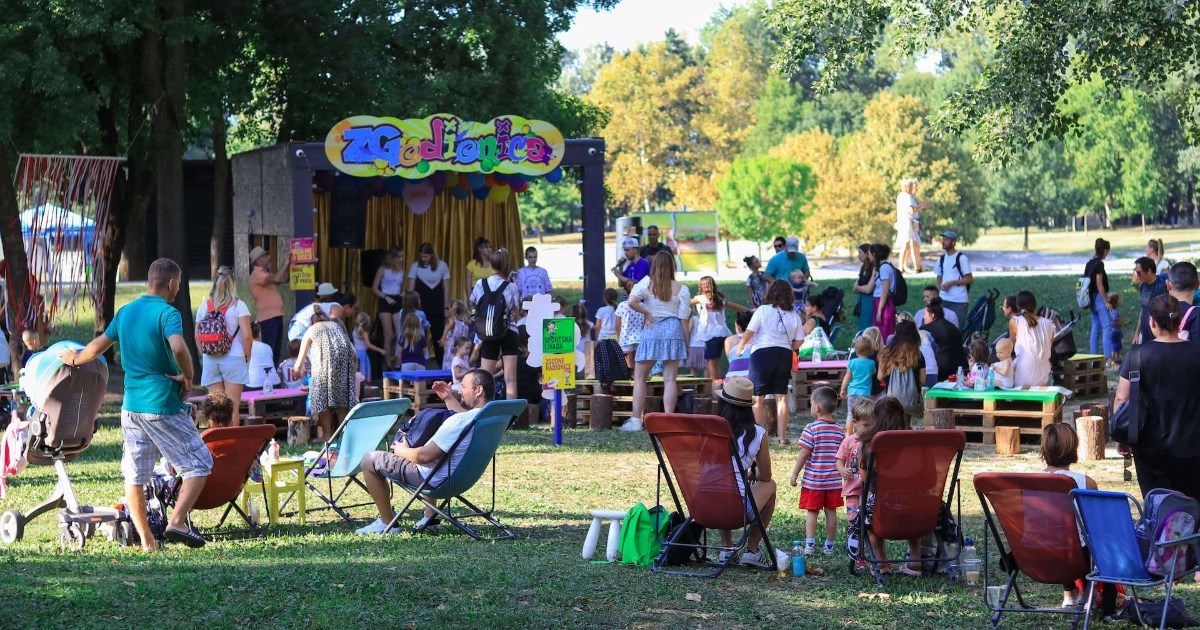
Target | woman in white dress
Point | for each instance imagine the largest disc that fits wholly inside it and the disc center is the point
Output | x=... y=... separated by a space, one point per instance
x=908 y=225
x=1032 y=338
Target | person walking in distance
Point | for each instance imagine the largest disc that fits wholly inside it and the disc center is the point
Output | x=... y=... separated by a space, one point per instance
x=954 y=277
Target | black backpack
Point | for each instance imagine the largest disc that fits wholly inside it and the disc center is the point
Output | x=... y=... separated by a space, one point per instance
x=691 y=535
x=957 y=265
x=900 y=288
x=491 y=312
x=420 y=428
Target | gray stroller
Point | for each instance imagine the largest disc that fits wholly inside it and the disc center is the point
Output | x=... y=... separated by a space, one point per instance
x=62 y=419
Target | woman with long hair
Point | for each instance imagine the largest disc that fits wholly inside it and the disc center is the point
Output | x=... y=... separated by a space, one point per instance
x=883 y=306
x=228 y=371
x=712 y=327
x=1156 y=251
x=901 y=360
x=388 y=286
x=864 y=288
x=1032 y=338
x=665 y=304
x=430 y=278
x=1098 y=288
x=774 y=334
x=480 y=266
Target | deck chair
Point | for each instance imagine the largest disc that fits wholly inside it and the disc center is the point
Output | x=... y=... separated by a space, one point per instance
x=1033 y=510
x=700 y=450
x=907 y=472
x=366 y=427
x=485 y=434
x=234 y=452
x=1117 y=556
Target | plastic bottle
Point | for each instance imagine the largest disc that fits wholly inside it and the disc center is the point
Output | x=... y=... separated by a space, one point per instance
x=952 y=566
x=980 y=379
x=991 y=378
x=816 y=356
x=960 y=379
x=969 y=561
x=268 y=382
x=274 y=451
x=798 y=564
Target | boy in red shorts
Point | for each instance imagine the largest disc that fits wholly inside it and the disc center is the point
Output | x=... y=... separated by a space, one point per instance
x=821 y=486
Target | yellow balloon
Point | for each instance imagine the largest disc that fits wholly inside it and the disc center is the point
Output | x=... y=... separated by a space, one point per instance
x=499 y=193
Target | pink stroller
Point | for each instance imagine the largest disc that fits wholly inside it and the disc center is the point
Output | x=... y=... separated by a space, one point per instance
x=62 y=419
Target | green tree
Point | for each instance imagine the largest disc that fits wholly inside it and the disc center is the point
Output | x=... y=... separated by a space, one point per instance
x=1036 y=190
x=580 y=67
x=761 y=196
x=549 y=205
x=778 y=113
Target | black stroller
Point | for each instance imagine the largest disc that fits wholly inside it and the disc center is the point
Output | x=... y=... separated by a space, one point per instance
x=832 y=310
x=1064 y=346
x=981 y=316
x=62 y=420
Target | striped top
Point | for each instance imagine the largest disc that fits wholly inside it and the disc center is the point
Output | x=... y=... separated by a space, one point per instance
x=739 y=364
x=822 y=438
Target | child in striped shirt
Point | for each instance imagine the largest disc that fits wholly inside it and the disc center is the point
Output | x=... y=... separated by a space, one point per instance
x=821 y=486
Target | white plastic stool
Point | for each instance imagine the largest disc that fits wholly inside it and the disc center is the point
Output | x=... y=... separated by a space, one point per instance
x=614 y=519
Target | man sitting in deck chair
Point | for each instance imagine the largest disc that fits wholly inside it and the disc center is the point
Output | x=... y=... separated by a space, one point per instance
x=411 y=466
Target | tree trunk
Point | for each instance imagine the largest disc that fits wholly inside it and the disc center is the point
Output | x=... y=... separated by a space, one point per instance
x=943 y=419
x=221 y=209
x=1026 y=247
x=112 y=241
x=541 y=234
x=1093 y=435
x=17 y=278
x=1143 y=215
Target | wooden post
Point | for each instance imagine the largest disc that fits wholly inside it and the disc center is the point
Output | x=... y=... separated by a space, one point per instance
x=703 y=405
x=1093 y=435
x=943 y=419
x=601 y=415
x=298 y=430
x=1008 y=440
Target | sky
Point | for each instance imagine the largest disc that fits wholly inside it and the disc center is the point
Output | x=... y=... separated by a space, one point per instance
x=638 y=21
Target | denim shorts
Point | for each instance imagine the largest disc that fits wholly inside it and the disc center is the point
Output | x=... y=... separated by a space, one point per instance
x=147 y=435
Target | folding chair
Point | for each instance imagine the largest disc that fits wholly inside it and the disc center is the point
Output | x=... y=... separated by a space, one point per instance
x=1034 y=512
x=907 y=473
x=234 y=452
x=1117 y=556
x=485 y=433
x=366 y=427
x=702 y=454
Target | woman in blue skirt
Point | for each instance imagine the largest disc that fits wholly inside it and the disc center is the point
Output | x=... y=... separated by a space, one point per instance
x=666 y=305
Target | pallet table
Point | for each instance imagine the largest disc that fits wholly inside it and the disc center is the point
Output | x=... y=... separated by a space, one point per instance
x=259 y=407
x=416 y=385
x=808 y=373
x=622 y=395
x=978 y=413
x=1084 y=374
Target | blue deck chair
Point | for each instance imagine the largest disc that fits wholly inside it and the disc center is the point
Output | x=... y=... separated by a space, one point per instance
x=1117 y=557
x=364 y=429
x=486 y=431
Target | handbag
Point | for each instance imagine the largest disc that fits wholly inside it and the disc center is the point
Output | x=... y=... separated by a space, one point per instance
x=1126 y=421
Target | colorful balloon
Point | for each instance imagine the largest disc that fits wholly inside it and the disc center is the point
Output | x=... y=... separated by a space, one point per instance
x=418 y=196
x=395 y=186
x=460 y=193
x=476 y=180
x=499 y=193
x=555 y=175
x=481 y=193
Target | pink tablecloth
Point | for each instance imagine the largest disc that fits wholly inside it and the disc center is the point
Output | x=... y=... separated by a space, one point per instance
x=278 y=394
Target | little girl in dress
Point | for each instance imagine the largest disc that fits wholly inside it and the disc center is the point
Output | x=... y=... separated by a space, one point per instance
x=362 y=343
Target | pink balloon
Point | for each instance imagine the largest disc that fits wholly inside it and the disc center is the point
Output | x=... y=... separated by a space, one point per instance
x=418 y=196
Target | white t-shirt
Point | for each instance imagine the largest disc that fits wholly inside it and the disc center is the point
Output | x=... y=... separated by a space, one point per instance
x=747 y=455
x=261 y=360
x=711 y=324
x=946 y=270
x=606 y=316
x=431 y=276
x=287 y=372
x=239 y=309
x=886 y=272
x=303 y=319
x=678 y=305
x=444 y=439
x=512 y=295
x=775 y=328
x=906 y=204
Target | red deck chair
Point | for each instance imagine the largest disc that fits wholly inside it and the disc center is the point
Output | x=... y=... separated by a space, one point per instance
x=700 y=450
x=1034 y=512
x=234 y=451
x=907 y=472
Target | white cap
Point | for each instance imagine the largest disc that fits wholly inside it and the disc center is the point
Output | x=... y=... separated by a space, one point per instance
x=325 y=289
x=630 y=242
x=792 y=244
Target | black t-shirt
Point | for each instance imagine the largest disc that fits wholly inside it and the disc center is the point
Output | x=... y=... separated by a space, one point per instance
x=648 y=251
x=1096 y=266
x=1169 y=391
x=948 y=340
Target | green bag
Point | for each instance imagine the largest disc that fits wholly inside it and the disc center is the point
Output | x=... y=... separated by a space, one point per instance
x=642 y=534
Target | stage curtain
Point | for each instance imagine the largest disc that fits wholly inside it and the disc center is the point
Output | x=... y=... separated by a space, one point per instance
x=450 y=224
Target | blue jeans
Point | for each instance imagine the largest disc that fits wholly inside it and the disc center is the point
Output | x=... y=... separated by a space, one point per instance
x=1102 y=324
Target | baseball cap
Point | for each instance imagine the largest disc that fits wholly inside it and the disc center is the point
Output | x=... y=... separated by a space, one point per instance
x=950 y=234
x=629 y=242
x=792 y=244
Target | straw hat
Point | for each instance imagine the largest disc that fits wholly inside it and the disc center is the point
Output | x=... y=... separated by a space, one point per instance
x=325 y=290
x=737 y=390
x=255 y=254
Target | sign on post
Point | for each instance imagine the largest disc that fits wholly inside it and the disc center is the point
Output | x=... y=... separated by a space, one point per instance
x=303 y=250
x=303 y=277
x=558 y=352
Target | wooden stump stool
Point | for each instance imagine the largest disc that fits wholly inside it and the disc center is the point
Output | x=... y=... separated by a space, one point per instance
x=299 y=430
x=526 y=418
x=943 y=419
x=1093 y=435
x=600 y=418
x=1008 y=440
x=703 y=405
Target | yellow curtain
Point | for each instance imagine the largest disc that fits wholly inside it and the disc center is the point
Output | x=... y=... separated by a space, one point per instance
x=450 y=224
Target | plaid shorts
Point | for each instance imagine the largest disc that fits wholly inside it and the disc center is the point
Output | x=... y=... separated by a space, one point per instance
x=147 y=435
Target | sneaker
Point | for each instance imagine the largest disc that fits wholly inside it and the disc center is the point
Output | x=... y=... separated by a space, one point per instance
x=753 y=559
x=828 y=549
x=723 y=557
x=810 y=549
x=375 y=527
x=1073 y=601
x=425 y=523
x=632 y=424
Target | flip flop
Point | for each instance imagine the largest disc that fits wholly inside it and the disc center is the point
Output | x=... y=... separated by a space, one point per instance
x=907 y=571
x=189 y=538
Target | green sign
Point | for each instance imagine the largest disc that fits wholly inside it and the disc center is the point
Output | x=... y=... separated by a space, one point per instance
x=558 y=336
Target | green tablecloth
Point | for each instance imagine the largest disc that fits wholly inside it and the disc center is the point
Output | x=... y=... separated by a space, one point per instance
x=1043 y=394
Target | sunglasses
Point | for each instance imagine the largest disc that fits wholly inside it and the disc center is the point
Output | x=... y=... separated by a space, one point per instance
x=1125 y=472
x=778 y=245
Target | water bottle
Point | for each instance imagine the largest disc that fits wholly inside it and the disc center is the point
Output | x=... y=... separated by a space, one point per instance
x=952 y=570
x=960 y=379
x=798 y=565
x=970 y=562
x=268 y=382
x=980 y=379
x=816 y=356
x=274 y=451
x=991 y=379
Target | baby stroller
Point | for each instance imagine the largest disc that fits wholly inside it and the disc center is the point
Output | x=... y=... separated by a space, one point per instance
x=832 y=310
x=62 y=419
x=981 y=316
x=1063 y=347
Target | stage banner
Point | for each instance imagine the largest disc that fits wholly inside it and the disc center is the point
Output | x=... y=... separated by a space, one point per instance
x=303 y=277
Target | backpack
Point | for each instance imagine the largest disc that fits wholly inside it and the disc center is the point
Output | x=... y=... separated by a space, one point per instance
x=902 y=386
x=1083 y=289
x=1184 y=333
x=957 y=266
x=491 y=312
x=212 y=334
x=420 y=428
x=642 y=533
x=691 y=534
x=1167 y=515
x=900 y=288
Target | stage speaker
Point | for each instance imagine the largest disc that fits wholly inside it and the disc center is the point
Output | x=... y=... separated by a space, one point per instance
x=369 y=261
x=347 y=214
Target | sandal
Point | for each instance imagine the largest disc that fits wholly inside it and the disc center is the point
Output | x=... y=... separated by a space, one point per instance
x=782 y=441
x=909 y=572
x=189 y=537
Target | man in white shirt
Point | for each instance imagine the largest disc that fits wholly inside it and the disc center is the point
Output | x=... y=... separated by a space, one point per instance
x=954 y=278
x=930 y=293
x=411 y=466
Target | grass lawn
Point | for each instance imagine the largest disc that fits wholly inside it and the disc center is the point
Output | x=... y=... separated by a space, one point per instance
x=1124 y=240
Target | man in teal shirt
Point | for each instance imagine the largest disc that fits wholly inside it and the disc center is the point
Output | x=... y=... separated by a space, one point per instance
x=154 y=418
x=781 y=266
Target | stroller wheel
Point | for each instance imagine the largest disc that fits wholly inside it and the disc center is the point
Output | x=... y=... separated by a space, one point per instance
x=71 y=537
x=124 y=534
x=12 y=527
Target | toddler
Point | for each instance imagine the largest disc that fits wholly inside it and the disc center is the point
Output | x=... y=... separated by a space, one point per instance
x=860 y=372
x=33 y=344
x=1114 y=312
x=979 y=352
x=413 y=351
x=821 y=488
x=863 y=420
x=1003 y=368
x=460 y=363
x=456 y=327
x=287 y=367
x=606 y=316
x=362 y=343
